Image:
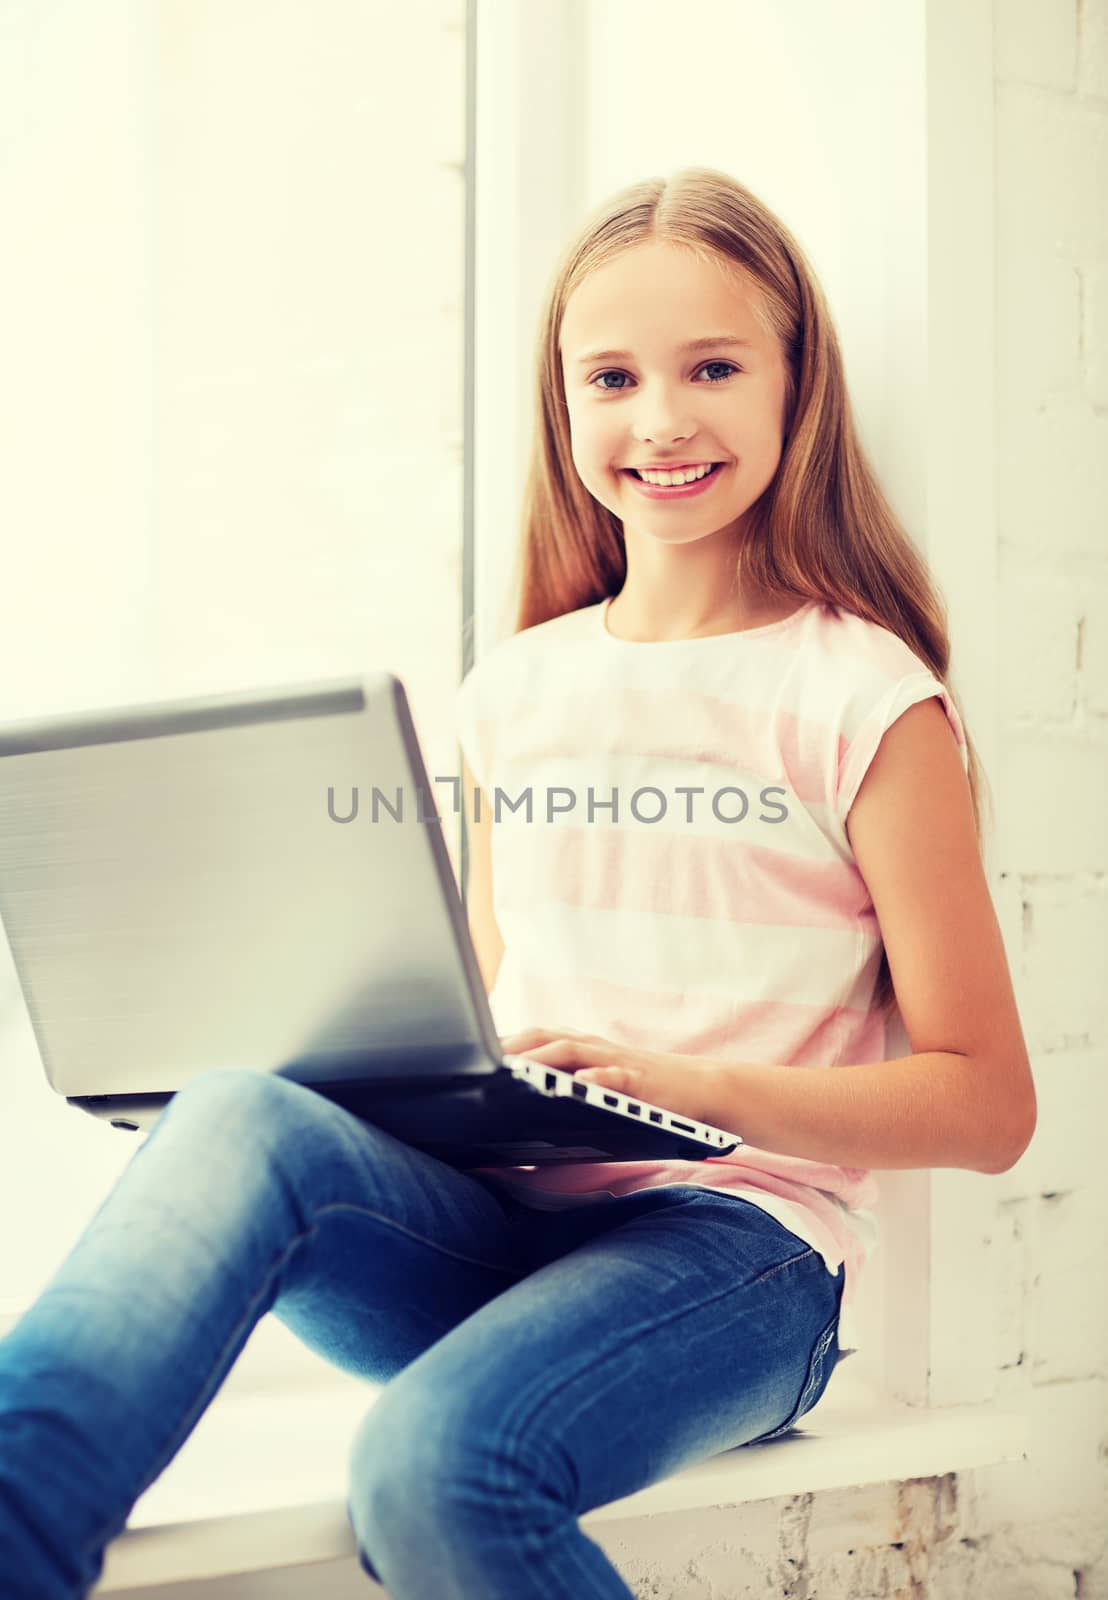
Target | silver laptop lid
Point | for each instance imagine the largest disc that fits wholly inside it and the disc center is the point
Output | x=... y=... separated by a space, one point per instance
x=179 y=893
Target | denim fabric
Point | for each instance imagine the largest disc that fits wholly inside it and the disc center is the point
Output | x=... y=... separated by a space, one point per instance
x=536 y=1364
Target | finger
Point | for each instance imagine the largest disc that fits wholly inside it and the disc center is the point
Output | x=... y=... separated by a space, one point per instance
x=608 y=1077
x=553 y=1046
x=526 y=1039
x=530 y=1038
x=563 y=1053
x=580 y=1057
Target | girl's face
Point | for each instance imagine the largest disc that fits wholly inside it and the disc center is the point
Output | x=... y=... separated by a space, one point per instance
x=660 y=401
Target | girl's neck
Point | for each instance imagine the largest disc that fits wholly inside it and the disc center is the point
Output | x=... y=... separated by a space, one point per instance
x=654 y=619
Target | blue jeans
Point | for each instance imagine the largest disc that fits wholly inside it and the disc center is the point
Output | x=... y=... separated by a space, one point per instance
x=537 y=1364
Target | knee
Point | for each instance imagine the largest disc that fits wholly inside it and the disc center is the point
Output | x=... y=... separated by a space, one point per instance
x=237 y=1097
x=417 y=1461
x=432 y=1462
x=228 y=1126
x=402 y=1446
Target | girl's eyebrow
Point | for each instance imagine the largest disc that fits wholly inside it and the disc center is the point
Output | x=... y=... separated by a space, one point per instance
x=711 y=340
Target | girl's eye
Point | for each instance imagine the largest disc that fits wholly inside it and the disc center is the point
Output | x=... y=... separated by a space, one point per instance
x=614 y=372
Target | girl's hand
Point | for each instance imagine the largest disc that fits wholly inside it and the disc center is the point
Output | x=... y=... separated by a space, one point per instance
x=684 y=1084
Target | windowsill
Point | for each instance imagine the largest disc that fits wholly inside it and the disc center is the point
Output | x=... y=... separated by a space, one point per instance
x=260 y=1484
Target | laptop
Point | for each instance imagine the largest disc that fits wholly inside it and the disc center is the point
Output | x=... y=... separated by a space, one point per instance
x=259 y=879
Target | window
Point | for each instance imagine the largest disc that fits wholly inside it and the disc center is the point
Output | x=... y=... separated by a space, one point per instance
x=234 y=386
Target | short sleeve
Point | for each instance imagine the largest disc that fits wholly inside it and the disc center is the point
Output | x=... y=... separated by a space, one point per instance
x=860 y=751
x=468 y=727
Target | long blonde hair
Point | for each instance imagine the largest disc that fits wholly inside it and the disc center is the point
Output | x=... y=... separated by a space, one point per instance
x=822 y=530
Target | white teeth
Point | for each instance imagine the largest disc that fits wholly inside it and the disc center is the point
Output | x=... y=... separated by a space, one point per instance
x=669 y=479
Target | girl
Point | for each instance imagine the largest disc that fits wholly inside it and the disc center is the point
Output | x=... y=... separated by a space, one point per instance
x=760 y=646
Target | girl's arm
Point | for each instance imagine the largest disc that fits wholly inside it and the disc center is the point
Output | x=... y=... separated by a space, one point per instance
x=484 y=932
x=966 y=1098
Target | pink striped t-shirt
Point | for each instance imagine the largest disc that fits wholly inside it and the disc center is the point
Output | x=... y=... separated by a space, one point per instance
x=717 y=909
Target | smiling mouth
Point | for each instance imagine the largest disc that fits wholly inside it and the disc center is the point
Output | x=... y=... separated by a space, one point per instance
x=677 y=466
x=713 y=466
